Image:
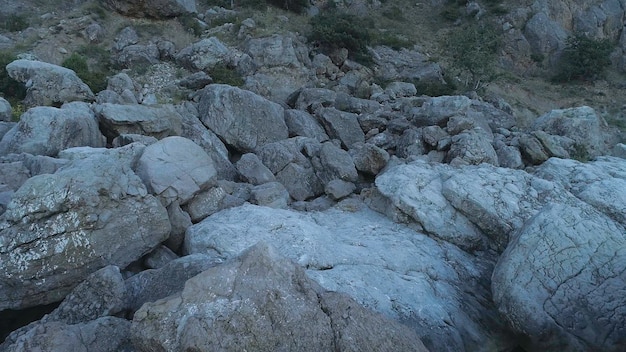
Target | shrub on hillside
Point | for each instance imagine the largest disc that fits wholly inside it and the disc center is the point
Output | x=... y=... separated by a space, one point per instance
x=11 y=89
x=474 y=49
x=296 y=6
x=332 y=31
x=14 y=22
x=96 y=80
x=584 y=58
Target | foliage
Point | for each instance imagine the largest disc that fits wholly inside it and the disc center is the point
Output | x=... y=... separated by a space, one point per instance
x=474 y=49
x=96 y=80
x=332 y=31
x=296 y=6
x=226 y=75
x=435 y=89
x=17 y=109
x=584 y=58
x=190 y=23
x=11 y=89
x=14 y=22
x=393 y=41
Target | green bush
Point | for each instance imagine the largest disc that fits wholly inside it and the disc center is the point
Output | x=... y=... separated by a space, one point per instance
x=223 y=74
x=296 y=6
x=14 y=22
x=474 y=49
x=96 y=80
x=332 y=31
x=191 y=24
x=11 y=89
x=584 y=58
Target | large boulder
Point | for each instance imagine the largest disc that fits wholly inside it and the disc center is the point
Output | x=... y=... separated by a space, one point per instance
x=46 y=130
x=241 y=118
x=155 y=9
x=432 y=286
x=6 y=112
x=546 y=36
x=280 y=66
x=48 y=84
x=264 y=302
x=59 y=228
x=106 y=334
x=175 y=169
x=341 y=125
x=408 y=65
x=560 y=282
x=581 y=124
x=204 y=55
x=157 y=121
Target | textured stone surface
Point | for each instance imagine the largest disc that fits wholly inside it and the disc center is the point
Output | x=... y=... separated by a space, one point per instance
x=261 y=301
x=175 y=169
x=60 y=227
x=47 y=130
x=241 y=118
x=560 y=281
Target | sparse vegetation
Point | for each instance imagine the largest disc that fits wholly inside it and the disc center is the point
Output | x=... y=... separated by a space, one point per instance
x=474 y=48
x=332 y=31
x=296 y=6
x=584 y=59
x=191 y=24
x=226 y=75
x=95 y=79
x=11 y=90
x=14 y=22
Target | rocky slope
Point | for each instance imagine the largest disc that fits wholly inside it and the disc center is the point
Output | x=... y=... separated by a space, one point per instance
x=310 y=208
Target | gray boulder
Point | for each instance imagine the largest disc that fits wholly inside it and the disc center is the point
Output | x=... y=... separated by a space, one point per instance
x=175 y=169
x=532 y=150
x=155 y=9
x=156 y=121
x=473 y=147
x=415 y=189
x=546 y=37
x=581 y=124
x=406 y=65
x=154 y=284
x=241 y=118
x=281 y=65
x=211 y=201
x=48 y=84
x=437 y=110
x=137 y=55
x=271 y=194
x=559 y=280
x=59 y=228
x=252 y=170
x=107 y=334
x=600 y=183
x=204 y=55
x=47 y=130
x=341 y=125
x=6 y=112
x=192 y=128
x=334 y=163
x=301 y=123
x=433 y=287
x=369 y=158
x=235 y=317
x=310 y=99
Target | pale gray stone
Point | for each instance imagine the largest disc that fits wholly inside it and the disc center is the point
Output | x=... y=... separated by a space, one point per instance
x=252 y=170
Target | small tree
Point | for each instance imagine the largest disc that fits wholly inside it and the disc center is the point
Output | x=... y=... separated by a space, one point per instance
x=584 y=58
x=474 y=50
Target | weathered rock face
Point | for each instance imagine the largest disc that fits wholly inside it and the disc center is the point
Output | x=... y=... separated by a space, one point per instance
x=48 y=84
x=5 y=110
x=107 y=334
x=47 y=130
x=204 y=55
x=241 y=118
x=280 y=66
x=156 y=9
x=60 y=227
x=581 y=124
x=409 y=65
x=560 y=279
x=261 y=301
x=383 y=265
x=157 y=121
x=175 y=169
